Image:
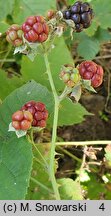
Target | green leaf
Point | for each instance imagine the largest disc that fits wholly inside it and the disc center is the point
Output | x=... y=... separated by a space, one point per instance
x=6 y=8
x=71 y=113
x=94 y=187
x=69 y=189
x=29 y=91
x=3 y=27
x=15 y=167
x=16 y=154
x=7 y=85
x=25 y=8
x=102 y=10
x=88 y=48
x=103 y=35
x=36 y=69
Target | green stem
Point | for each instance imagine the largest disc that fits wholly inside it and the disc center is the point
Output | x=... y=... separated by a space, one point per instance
x=41 y=185
x=54 y=132
x=5 y=57
x=69 y=154
x=84 y=143
x=64 y=94
x=34 y=145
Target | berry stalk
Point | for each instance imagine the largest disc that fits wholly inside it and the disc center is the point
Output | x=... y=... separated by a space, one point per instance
x=54 y=132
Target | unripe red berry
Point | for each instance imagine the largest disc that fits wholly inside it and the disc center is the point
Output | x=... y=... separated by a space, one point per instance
x=35 y=29
x=16 y=125
x=25 y=125
x=38 y=111
x=41 y=123
x=18 y=42
x=45 y=115
x=89 y=70
x=40 y=106
x=42 y=37
x=50 y=14
x=22 y=120
x=28 y=116
x=38 y=116
x=18 y=116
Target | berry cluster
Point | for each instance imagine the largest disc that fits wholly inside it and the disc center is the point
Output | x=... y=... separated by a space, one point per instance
x=81 y=14
x=38 y=111
x=70 y=76
x=35 y=29
x=31 y=114
x=14 y=35
x=89 y=70
x=22 y=120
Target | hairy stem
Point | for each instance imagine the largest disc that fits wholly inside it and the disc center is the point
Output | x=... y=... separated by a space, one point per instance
x=54 y=132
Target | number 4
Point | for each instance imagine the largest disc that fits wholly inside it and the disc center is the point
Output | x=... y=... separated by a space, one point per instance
x=102 y=207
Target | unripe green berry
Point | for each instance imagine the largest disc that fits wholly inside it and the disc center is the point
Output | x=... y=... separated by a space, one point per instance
x=66 y=77
x=75 y=77
x=15 y=27
x=13 y=35
x=8 y=39
x=70 y=83
x=20 y=33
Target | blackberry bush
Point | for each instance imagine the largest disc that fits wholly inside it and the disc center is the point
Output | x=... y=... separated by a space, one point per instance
x=33 y=115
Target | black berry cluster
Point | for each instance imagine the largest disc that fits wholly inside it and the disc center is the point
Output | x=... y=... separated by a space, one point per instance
x=81 y=14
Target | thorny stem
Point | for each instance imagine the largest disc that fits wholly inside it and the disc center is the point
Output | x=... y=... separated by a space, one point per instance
x=54 y=132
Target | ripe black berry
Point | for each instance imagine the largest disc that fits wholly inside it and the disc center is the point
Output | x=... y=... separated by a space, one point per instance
x=81 y=14
x=85 y=7
x=66 y=14
x=76 y=18
x=79 y=27
x=85 y=18
x=75 y=9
